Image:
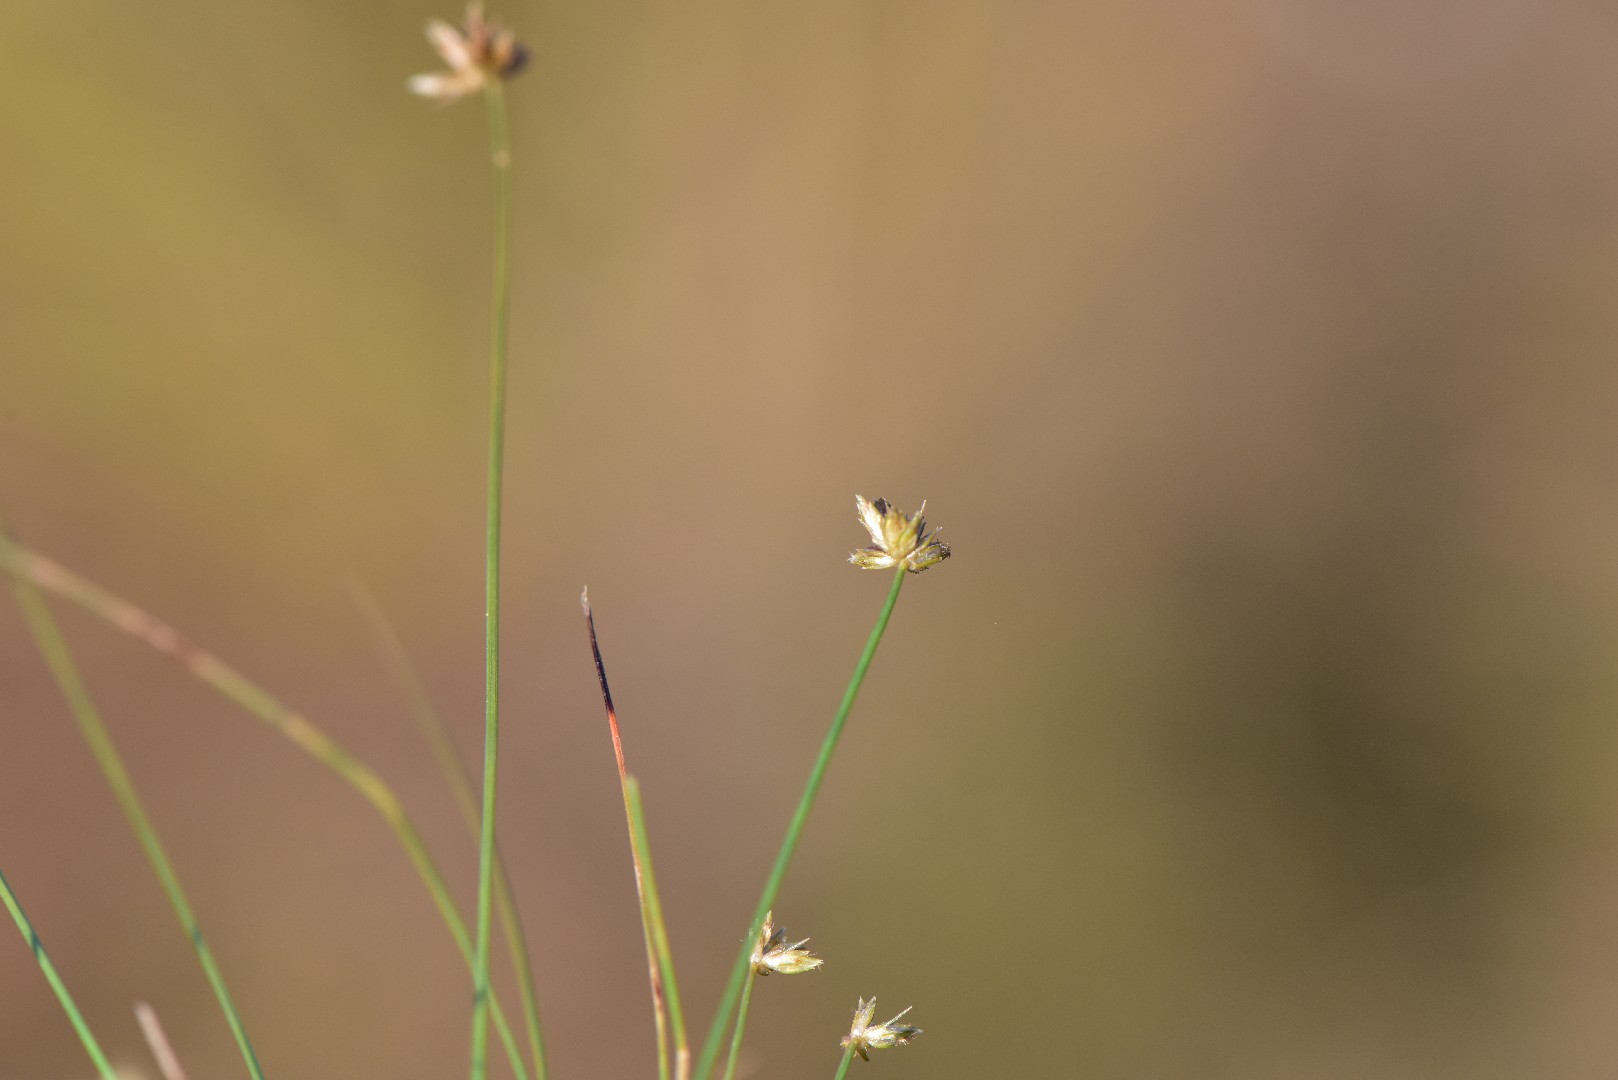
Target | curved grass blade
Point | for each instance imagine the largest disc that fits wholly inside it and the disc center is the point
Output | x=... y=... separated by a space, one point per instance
x=60 y=661
x=30 y=566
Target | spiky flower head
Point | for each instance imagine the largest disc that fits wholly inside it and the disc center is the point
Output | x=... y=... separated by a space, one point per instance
x=896 y=540
x=865 y=1036
x=772 y=954
x=477 y=53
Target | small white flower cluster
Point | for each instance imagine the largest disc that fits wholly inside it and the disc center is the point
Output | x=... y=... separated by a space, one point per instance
x=477 y=53
x=773 y=955
x=896 y=540
x=865 y=1036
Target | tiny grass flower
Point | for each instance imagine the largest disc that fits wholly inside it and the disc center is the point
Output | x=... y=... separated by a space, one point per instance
x=478 y=51
x=896 y=540
x=865 y=1036
x=772 y=954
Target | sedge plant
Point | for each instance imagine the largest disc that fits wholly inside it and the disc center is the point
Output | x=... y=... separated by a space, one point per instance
x=480 y=56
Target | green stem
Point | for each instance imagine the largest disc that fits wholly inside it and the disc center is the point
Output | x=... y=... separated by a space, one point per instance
x=500 y=156
x=741 y=1023
x=656 y=930
x=60 y=661
x=455 y=774
x=26 y=564
x=842 y=1070
x=91 y=1047
x=772 y=886
x=659 y=958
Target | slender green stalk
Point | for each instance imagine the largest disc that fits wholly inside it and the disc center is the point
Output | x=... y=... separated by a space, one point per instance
x=60 y=661
x=23 y=563
x=454 y=771
x=778 y=872
x=659 y=958
x=74 y=1017
x=741 y=1023
x=842 y=1070
x=500 y=154
x=653 y=918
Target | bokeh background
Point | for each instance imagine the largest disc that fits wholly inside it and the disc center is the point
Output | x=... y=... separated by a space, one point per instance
x=1256 y=357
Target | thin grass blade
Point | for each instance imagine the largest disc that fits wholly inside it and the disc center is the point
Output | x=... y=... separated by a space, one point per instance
x=659 y=931
x=28 y=565
x=74 y=1017
x=789 y=844
x=53 y=646
x=659 y=958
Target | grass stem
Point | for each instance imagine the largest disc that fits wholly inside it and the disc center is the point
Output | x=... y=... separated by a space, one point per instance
x=432 y=729
x=53 y=646
x=23 y=563
x=842 y=1070
x=666 y=1010
x=74 y=1017
x=741 y=1024
x=778 y=872
x=656 y=929
x=500 y=317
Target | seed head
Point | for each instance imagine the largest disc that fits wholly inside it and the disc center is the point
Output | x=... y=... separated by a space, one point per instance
x=772 y=954
x=865 y=1036
x=477 y=52
x=896 y=540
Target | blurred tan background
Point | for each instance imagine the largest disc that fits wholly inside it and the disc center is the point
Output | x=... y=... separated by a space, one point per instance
x=1256 y=357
